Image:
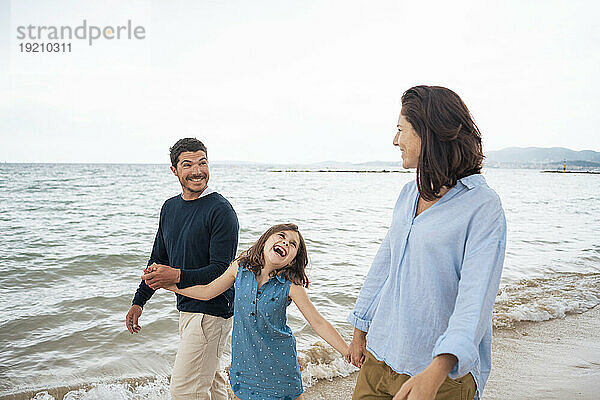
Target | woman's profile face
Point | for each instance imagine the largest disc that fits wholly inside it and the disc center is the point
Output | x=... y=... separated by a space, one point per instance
x=409 y=143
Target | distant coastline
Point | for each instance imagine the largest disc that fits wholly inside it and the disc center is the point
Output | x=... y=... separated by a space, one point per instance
x=572 y=172
x=547 y=159
x=543 y=159
x=369 y=171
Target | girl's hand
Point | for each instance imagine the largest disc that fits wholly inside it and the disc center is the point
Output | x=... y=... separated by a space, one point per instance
x=347 y=356
x=358 y=348
x=150 y=268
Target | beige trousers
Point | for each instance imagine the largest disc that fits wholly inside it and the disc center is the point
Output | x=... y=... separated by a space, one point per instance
x=204 y=347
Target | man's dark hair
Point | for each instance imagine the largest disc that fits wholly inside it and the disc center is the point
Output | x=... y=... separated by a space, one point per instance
x=182 y=145
x=450 y=140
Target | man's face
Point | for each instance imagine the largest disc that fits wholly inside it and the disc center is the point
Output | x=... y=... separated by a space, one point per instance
x=192 y=171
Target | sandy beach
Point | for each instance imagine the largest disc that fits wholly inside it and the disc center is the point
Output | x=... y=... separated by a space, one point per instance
x=556 y=359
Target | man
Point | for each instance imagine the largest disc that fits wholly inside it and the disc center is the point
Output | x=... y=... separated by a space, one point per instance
x=196 y=240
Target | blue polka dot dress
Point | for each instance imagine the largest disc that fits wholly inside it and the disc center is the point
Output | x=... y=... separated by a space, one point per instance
x=264 y=363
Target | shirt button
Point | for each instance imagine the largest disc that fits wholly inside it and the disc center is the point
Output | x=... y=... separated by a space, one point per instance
x=252 y=313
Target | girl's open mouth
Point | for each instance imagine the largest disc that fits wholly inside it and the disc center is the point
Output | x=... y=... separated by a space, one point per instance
x=280 y=250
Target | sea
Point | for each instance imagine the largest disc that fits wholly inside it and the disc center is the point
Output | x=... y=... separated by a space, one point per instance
x=75 y=238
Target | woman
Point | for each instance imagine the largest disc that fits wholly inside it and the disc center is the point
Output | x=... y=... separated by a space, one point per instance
x=423 y=317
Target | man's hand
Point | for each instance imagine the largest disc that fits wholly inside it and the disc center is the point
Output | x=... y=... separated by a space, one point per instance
x=358 y=348
x=160 y=276
x=424 y=386
x=131 y=320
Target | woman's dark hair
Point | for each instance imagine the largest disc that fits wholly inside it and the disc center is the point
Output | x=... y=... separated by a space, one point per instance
x=182 y=145
x=254 y=259
x=450 y=140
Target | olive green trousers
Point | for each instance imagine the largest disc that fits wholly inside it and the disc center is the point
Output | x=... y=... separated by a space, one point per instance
x=377 y=381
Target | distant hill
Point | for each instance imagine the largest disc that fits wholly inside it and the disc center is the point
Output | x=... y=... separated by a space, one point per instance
x=540 y=155
x=511 y=157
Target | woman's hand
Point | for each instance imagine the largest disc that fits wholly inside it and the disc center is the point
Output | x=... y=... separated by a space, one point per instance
x=424 y=386
x=358 y=348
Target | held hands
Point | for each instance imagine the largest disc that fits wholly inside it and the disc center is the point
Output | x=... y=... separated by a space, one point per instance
x=156 y=276
x=159 y=276
x=357 y=348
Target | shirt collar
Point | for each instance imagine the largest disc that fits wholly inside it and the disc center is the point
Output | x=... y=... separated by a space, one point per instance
x=472 y=181
x=206 y=192
x=280 y=278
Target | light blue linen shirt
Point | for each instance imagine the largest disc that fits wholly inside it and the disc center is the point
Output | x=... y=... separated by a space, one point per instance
x=433 y=282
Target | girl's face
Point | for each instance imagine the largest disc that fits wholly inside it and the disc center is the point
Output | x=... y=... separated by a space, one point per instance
x=409 y=143
x=281 y=248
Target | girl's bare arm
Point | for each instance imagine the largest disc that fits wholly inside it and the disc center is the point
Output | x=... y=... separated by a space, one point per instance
x=213 y=289
x=316 y=320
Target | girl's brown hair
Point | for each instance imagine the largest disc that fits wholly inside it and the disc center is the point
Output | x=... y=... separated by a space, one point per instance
x=450 y=140
x=254 y=259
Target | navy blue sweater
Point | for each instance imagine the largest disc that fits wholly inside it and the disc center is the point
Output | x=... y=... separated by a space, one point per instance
x=200 y=237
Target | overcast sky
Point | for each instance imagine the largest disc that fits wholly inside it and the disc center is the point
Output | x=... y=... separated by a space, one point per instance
x=293 y=81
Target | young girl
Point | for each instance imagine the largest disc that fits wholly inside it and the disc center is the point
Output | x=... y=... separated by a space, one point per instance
x=267 y=278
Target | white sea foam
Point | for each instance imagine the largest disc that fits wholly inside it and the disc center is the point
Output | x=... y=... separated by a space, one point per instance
x=534 y=300
x=154 y=389
x=320 y=361
x=541 y=299
x=43 y=396
x=338 y=367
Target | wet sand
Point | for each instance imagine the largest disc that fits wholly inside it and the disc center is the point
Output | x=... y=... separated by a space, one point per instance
x=556 y=359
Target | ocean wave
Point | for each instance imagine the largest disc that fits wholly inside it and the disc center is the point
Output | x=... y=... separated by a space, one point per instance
x=536 y=299
x=545 y=298
x=320 y=361
x=130 y=389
